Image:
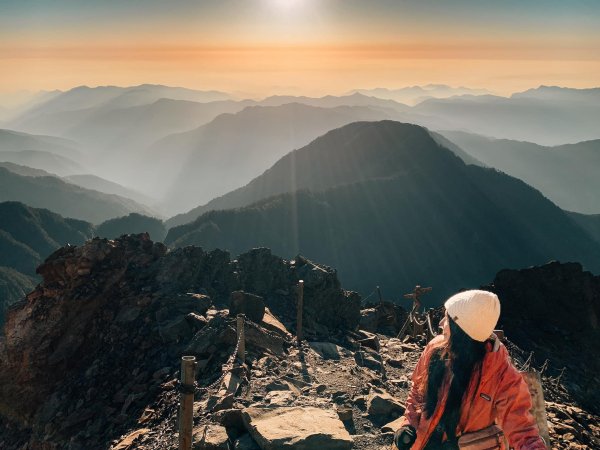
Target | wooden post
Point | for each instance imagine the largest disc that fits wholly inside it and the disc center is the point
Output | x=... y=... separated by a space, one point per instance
x=538 y=408
x=186 y=405
x=241 y=354
x=299 y=311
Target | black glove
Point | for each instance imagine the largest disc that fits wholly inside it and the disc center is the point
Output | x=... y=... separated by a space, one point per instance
x=405 y=437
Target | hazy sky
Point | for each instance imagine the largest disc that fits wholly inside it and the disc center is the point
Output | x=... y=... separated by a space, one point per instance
x=260 y=47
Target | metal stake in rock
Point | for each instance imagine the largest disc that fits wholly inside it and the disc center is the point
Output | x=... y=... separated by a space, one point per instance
x=416 y=297
x=186 y=405
x=299 y=311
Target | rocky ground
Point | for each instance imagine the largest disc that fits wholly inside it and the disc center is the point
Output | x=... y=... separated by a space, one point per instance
x=91 y=358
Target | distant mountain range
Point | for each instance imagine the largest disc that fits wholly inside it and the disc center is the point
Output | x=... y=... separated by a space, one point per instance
x=546 y=116
x=84 y=98
x=389 y=206
x=95 y=183
x=234 y=148
x=589 y=222
x=27 y=237
x=65 y=198
x=132 y=224
x=567 y=174
x=14 y=141
x=188 y=147
x=13 y=287
x=412 y=95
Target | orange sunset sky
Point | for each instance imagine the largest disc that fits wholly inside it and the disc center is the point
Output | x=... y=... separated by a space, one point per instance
x=313 y=47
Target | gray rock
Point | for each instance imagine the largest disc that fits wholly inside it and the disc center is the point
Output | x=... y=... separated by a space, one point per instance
x=253 y=306
x=369 y=320
x=246 y=442
x=175 y=330
x=344 y=413
x=367 y=359
x=383 y=405
x=328 y=350
x=394 y=362
x=296 y=428
x=277 y=385
x=209 y=437
x=230 y=419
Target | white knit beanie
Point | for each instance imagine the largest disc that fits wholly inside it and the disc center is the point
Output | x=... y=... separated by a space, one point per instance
x=475 y=312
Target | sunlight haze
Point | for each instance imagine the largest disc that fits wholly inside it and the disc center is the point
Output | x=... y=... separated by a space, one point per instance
x=313 y=47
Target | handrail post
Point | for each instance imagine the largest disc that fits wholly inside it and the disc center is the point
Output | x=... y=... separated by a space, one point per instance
x=299 y=312
x=186 y=405
x=241 y=353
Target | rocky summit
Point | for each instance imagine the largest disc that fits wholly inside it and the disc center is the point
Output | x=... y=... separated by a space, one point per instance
x=90 y=359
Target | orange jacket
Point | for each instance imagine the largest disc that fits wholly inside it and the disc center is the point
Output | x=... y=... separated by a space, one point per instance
x=501 y=397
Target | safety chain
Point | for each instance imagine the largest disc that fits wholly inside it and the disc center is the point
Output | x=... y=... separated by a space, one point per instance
x=431 y=330
x=557 y=381
x=413 y=317
x=544 y=367
x=228 y=366
x=267 y=332
x=368 y=296
x=529 y=364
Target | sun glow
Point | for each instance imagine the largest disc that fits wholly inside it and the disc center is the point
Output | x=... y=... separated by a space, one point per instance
x=286 y=4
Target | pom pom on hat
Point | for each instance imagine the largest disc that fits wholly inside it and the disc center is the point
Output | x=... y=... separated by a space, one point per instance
x=475 y=312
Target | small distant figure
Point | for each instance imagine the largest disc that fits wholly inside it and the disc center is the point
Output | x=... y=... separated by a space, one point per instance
x=416 y=296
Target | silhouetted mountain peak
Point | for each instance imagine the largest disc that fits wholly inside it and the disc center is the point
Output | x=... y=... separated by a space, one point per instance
x=353 y=153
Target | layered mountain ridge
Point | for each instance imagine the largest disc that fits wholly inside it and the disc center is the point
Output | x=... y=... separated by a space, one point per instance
x=410 y=208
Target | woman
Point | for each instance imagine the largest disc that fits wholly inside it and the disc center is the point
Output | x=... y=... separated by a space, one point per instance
x=465 y=382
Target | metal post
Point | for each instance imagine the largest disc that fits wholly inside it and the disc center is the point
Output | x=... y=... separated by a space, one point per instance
x=186 y=405
x=241 y=354
x=379 y=294
x=538 y=407
x=299 y=311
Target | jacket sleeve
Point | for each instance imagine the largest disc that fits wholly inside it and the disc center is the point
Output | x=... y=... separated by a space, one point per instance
x=415 y=400
x=513 y=403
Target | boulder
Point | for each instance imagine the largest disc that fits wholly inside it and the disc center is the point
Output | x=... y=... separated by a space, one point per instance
x=370 y=340
x=253 y=306
x=129 y=441
x=328 y=350
x=369 y=320
x=296 y=428
x=272 y=323
x=230 y=419
x=370 y=360
x=392 y=426
x=209 y=437
x=383 y=405
x=245 y=442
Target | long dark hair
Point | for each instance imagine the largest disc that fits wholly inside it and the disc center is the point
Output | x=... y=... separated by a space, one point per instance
x=465 y=356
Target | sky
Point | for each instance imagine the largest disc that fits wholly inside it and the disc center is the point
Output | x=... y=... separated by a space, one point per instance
x=255 y=48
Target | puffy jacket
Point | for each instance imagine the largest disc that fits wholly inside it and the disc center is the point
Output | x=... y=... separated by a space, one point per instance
x=501 y=397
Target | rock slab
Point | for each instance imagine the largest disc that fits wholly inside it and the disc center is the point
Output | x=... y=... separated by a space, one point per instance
x=210 y=437
x=383 y=404
x=296 y=428
x=253 y=306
